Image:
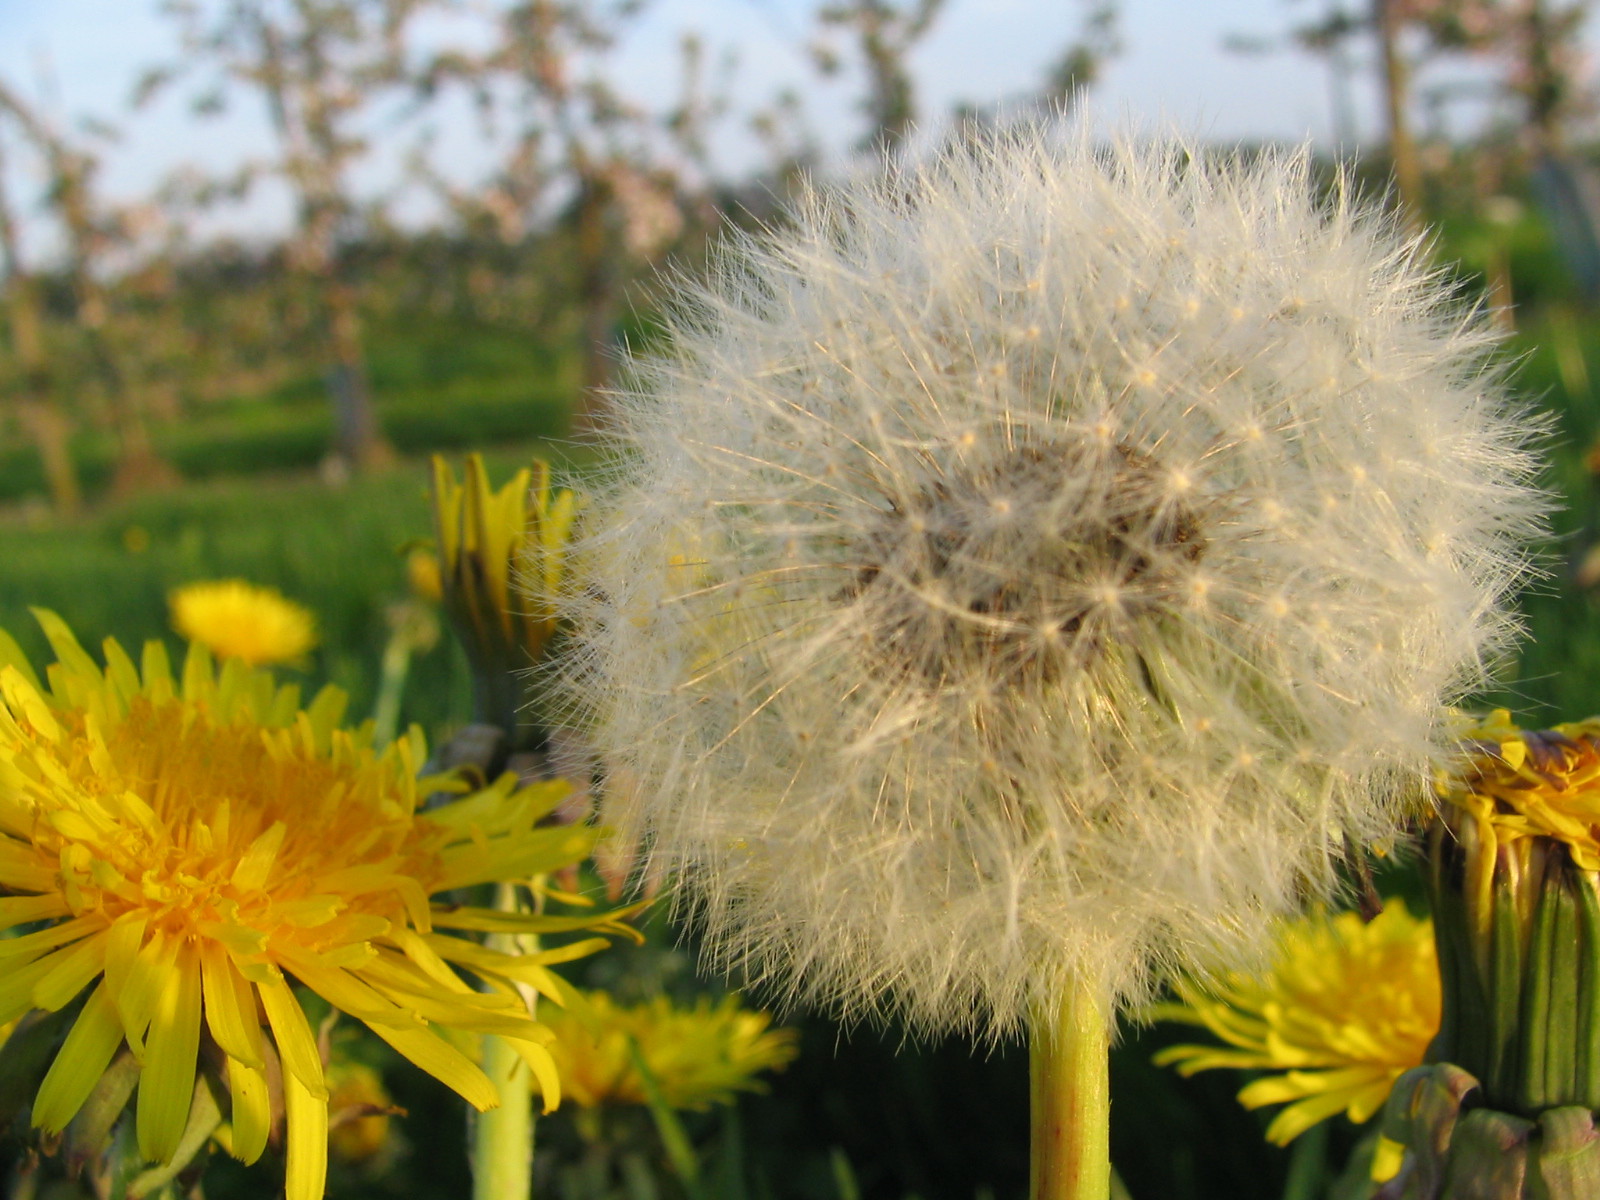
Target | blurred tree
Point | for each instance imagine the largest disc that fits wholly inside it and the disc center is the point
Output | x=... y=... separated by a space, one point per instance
x=318 y=65
x=1078 y=67
x=623 y=183
x=37 y=410
x=89 y=231
x=1534 y=44
x=884 y=36
x=1387 y=18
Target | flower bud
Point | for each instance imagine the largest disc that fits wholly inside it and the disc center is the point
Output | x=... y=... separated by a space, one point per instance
x=502 y=555
x=1507 y=1110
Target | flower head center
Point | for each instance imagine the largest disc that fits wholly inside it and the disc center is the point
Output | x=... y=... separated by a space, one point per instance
x=199 y=823
x=1025 y=560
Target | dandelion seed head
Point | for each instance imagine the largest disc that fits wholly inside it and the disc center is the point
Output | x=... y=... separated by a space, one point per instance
x=983 y=680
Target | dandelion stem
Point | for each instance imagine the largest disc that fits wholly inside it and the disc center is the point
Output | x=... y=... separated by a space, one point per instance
x=1071 y=1099
x=502 y=1138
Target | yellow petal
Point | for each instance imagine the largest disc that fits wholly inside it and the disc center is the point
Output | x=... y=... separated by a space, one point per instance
x=21 y=869
x=17 y=910
x=543 y=1065
x=1387 y=1159
x=444 y=1062
x=16 y=988
x=349 y=994
x=256 y=862
x=11 y=655
x=157 y=671
x=69 y=973
x=69 y=653
x=140 y=992
x=166 y=1085
x=307 y=1171
x=120 y=671
x=79 y=1063
x=296 y=1044
x=31 y=944
x=476 y=1012
x=252 y=1110
x=1294 y=1085
x=230 y=1006
x=1297 y=1118
x=123 y=943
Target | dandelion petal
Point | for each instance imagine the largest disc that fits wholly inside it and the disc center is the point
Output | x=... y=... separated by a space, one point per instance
x=79 y=1063
x=166 y=1085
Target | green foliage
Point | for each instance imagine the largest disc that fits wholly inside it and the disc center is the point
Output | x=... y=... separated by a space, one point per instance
x=1556 y=674
x=257 y=436
x=336 y=550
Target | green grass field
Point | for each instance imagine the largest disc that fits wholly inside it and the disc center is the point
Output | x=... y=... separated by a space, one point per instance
x=339 y=550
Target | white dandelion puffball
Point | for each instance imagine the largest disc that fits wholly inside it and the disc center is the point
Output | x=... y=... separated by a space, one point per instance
x=1031 y=566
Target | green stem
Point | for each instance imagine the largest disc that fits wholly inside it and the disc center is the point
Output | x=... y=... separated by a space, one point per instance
x=391 y=688
x=502 y=1138
x=1308 y=1157
x=1071 y=1099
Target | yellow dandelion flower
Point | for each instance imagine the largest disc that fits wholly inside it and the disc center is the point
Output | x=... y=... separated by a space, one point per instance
x=1344 y=1009
x=699 y=1056
x=235 y=619
x=185 y=849
x=361 y=1106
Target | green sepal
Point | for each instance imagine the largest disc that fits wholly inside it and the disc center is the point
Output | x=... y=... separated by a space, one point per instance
x=205 y=1114
x=1561 y=1027
x=1588 y=1048
x=88 y=1134
x=1531 y=1093
x=1421 y=1115
x=1488 y=1156
x=1505 y=997
x=1565 y=1162
x=1465 y=1028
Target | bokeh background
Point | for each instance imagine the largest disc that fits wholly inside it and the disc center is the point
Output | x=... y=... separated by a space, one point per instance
x=258 y=258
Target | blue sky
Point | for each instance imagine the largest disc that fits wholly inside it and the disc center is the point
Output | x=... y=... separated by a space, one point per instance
x=81 y=57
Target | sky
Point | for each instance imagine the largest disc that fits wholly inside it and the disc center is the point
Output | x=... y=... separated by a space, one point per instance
x=81 y=58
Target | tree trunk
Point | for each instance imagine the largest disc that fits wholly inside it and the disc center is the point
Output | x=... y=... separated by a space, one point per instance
x=597 y=298
x=357 y=437
x=1396 y=86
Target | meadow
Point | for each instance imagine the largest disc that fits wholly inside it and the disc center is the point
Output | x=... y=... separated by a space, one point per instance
x=862 y=1113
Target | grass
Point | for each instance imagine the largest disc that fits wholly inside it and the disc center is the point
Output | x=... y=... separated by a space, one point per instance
x=337 y=550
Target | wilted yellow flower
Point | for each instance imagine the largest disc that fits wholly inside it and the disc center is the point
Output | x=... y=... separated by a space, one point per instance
x=698 y=1056
x=1345 y=1008
x=235 y=619
x=1532 y=783
x=201 y=844
x=1514 y=868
